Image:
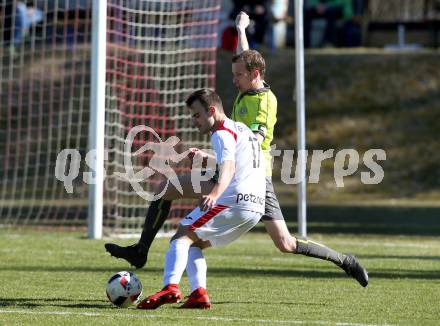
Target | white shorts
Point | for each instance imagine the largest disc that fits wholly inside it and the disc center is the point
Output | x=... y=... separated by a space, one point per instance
x=222 y=224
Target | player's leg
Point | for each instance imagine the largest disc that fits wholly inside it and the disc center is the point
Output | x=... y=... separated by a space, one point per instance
x=157 y=213
x=280 y=235
x=159 y=209
x=217 y=227
x=196 y=269
x=285 y=242
x=347 y=262
x=276 y=227
x=274 y=223
x=176 y=260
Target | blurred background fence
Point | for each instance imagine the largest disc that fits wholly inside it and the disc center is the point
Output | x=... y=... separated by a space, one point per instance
x=159 y=51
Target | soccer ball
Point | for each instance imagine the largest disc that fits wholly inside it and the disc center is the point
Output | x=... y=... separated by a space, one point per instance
x=124 y=289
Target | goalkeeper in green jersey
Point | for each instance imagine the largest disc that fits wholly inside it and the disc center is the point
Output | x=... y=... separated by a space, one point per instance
x=255 y=106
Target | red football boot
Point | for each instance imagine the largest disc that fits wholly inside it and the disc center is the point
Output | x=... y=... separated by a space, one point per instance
x=169 y=294
x=198 y=299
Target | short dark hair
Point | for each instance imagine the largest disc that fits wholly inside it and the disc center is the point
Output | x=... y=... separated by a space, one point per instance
x=206 y=97
x=252 y=60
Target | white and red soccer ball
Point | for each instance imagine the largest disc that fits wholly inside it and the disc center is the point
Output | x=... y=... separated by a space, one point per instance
x=124 y=289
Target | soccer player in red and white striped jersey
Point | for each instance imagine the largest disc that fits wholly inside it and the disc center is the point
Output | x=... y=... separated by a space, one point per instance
x=232 y=207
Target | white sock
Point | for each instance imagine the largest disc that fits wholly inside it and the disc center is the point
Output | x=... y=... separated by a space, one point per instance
x=175 y=261
x=196 y=268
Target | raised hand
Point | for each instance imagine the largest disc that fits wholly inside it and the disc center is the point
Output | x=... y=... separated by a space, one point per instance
x=242 y=20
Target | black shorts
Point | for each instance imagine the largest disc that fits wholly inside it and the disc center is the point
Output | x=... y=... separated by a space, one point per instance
x=272 y=210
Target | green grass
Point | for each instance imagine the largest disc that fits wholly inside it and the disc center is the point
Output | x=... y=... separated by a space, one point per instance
x=51 y=278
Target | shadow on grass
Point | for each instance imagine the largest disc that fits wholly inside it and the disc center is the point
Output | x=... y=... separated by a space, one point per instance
x=53 y=302
x=433 y=258
x=373 y=273
x=328 y=272
x=104 y=304
x=93 y=269
x=416 y=221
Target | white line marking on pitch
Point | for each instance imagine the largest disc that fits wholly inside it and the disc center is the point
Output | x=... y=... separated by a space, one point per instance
x=264 y=321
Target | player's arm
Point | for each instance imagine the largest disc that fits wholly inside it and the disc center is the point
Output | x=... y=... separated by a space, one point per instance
x=259 y=128
x=223 y=144
x=265 y=117
x=241 y=22
x=259 y=136
x=227 y=170
x=197 y=153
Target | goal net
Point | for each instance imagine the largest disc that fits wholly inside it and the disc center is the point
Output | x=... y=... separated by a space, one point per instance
x=157 y=53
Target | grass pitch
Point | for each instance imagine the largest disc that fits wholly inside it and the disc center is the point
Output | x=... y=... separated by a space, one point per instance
x=59 y=279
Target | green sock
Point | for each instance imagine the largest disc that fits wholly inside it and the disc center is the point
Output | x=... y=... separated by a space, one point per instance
x=308 y=247
x=156 y=216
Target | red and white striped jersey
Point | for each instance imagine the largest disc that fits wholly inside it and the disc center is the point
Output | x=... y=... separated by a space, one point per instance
x=234 y=141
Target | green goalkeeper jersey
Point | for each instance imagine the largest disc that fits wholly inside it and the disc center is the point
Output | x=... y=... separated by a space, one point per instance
x=258 y=110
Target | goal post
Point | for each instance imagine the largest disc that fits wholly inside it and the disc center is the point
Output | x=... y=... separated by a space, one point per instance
x=97 y=117
x=157 y=52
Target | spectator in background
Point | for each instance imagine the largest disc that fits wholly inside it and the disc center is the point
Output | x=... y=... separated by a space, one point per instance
x=229 y=39
x=351 y=35
x=330 y=10
x=6 y=11
x=26 y=16
x=17 y=20
x=260 y=15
